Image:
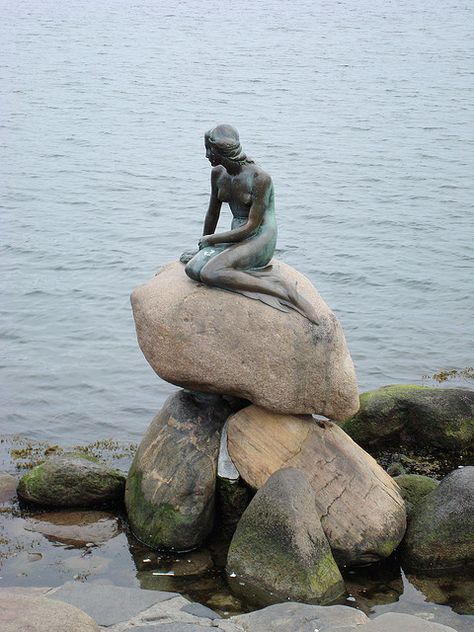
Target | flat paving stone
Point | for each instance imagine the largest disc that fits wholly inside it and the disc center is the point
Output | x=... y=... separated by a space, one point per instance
x=298 y=617
x=107 y=604
x=198 y=610
x=25 y=613
x=176 y=627
x=398 y=622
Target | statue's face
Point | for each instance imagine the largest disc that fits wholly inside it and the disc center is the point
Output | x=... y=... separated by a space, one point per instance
x=213 y=156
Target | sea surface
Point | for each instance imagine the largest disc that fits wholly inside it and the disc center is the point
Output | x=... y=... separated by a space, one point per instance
x=362 y=112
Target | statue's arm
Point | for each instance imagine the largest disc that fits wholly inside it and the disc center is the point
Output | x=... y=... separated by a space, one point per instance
x=261 y=198
x=214 y=209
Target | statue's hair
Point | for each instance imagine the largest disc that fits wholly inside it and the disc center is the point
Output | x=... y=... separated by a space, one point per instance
x=225 y=139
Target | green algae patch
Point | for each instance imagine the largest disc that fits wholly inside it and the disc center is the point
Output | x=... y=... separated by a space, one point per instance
x=152 y=524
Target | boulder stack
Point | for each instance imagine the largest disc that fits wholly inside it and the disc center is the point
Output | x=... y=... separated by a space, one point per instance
x=321 y=501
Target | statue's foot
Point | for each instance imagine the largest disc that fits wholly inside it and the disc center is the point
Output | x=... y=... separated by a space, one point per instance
x=187 y=256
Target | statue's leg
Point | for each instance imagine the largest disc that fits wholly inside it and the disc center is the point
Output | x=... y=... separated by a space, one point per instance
x=195 y=265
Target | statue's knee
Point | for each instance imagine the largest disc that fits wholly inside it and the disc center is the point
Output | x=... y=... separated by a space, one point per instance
x=192 y=271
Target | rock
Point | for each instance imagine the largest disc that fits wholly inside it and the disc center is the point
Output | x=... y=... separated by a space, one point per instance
x=198 y=610
x=279 y=550
x=22 y=613
x=440 y=535
x=216 y=341
x=232 y=499
x=414 y=487
x=8 y=485
x=170 y=487
x=72 y=480
x=75 y=528
x=397 y=622
x=414 y=415
x=298 y=617
x=362 y=512
x=108 y=605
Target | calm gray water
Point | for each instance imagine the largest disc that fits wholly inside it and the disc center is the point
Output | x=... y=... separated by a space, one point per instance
x=362 y=113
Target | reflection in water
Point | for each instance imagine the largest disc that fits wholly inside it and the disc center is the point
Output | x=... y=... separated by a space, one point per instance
x=75 y=528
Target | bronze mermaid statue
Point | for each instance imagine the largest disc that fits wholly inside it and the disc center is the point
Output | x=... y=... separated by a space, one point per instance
x=239 y=259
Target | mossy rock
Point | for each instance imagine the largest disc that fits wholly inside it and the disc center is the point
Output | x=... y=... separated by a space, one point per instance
x=410 y=415
x=72 y=480
x=414 y=487
x=440 y=534
x=170 y=490
x=279 y=550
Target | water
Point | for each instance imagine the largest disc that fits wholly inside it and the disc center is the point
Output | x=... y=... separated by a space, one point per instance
x=362 y=114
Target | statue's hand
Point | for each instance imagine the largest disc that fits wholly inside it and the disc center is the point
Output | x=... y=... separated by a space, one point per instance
x=205 y=241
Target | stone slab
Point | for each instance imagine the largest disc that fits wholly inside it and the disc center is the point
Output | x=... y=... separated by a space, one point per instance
x=397 y=622
x=109 y=604
x=198 y=610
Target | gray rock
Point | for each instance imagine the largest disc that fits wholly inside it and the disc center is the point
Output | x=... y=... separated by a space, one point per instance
x=414 y=487
x=171 y=484
x=8 y=485
x=414 y=415
x=279 y=549
x=25 y=613
x=109 y=604
x=176 y=627
x=187 y=332
x=296 y=617
x=72 y=480
x=395 y=622
x=440 y=535
x=198 y=610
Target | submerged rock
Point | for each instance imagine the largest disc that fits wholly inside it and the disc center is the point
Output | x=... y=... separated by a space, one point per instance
x=279 y=550
x=72 y=480
x=8 y=485
x=171 y=485
x=362 y=512
x=75 y=528
x=212 y=340
x=440 y=534
x=414 y=415
x=414 y=487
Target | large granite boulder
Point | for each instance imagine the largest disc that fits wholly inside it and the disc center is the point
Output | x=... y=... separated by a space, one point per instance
x=171 y=485
x=414 y=415
x=72 y=480
x=362 y=512
x=440 y=535
x=212 y=340
x=279 y=550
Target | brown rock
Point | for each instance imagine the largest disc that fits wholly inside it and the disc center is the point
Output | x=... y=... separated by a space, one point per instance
x=75 y=528
x=362 y=512
x=217 y=341
x=24 y=613
x=8 y=485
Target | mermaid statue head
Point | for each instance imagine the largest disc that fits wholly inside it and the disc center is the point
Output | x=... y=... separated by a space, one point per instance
x=224 y=141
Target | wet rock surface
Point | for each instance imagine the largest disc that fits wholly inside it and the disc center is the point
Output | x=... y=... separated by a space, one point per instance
x=76 y=528
x=279 y=550
x=278 y=360
x=411 y=415
x=171 y=485
x=72 y=480
x=362 y=512
x=78 y=607
x=8 y=485
x=414 y=487
x=440 y=535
